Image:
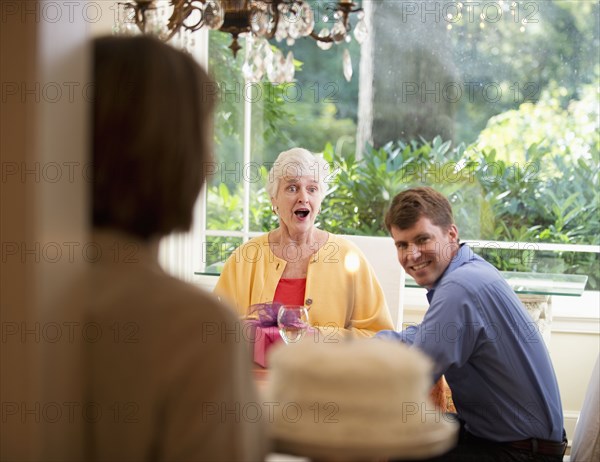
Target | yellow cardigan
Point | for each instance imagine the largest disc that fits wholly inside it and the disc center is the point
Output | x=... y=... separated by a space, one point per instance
x=337 y=297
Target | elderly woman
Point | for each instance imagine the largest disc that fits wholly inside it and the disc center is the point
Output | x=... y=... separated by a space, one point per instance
x=300 y=264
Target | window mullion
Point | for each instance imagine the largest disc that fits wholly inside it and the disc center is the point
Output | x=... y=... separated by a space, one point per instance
x=198 y=231
x=246 y=157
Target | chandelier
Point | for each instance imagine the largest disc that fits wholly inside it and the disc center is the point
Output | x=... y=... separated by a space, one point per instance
x=257 y=20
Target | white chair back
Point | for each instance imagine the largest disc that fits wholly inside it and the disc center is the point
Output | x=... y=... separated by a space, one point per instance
x=382 y=256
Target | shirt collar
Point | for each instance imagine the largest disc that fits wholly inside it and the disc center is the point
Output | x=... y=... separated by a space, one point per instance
x=463 y=255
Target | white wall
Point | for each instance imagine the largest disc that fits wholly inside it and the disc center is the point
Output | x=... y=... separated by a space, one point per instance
x=43 y=226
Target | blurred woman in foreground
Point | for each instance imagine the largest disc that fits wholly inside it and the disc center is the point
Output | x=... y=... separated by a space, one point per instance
x=160 y=372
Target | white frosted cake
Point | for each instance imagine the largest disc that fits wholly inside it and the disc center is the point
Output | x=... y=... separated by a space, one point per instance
x=355 y=400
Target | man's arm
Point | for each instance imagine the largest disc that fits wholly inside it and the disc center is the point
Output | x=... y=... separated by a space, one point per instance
x=450 y=329
x=406 y=336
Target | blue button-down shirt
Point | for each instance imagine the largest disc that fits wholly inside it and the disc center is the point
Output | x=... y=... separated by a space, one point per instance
x=481 y=338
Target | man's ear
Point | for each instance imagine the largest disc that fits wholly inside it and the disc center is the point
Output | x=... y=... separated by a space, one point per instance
x=453 y=233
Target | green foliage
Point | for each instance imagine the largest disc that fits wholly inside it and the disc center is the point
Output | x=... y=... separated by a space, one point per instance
x=224 y=209
x=224 y=212
x=311 y=126
x=566 y=129
x=558 y=43
x=319 y=106
x=262 y=217
x=531 y=204
x=363 y=189
x=492 y=199
x=531 y=175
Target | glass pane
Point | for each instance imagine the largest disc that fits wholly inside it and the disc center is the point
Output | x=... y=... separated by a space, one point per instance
x=225 y=186
x=216 y=250
x=318 y=108
x=526 y=258
x=496 y=104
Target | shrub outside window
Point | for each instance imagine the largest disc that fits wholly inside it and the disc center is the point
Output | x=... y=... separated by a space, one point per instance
x=496 y=104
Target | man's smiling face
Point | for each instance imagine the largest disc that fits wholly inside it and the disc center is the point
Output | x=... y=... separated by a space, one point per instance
x=425 y=250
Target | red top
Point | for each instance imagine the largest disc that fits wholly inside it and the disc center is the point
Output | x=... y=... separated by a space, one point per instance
x=290 y=291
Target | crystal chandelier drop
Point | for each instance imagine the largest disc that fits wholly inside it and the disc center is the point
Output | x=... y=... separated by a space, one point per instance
x=257 y=20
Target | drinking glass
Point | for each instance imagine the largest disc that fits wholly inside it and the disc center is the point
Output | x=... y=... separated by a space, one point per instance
x=292 y=321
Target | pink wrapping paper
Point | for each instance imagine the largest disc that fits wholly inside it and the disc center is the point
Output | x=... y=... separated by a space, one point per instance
x=261 y=339
x=266 y=338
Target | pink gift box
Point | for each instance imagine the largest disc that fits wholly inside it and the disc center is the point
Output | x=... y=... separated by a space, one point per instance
x=261 y=340
x=266 y=338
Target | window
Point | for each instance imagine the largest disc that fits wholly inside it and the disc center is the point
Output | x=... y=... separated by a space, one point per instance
x=495 y=103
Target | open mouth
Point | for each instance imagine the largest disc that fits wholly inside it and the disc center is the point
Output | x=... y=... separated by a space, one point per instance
x=302 y=213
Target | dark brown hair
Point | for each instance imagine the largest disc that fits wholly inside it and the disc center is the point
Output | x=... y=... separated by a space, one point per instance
x=410 y=205
x=151 y=135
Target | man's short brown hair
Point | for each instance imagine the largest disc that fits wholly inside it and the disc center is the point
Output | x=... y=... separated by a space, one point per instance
x=411 y=205
x=151 y=135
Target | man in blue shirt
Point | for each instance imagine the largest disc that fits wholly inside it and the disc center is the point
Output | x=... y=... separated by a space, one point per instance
x=479 y=336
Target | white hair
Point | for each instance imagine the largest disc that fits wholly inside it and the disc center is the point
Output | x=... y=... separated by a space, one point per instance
x=295 y=163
